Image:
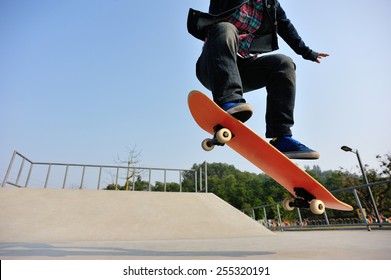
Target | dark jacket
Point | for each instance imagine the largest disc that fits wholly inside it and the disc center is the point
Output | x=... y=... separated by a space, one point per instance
x=274 y=22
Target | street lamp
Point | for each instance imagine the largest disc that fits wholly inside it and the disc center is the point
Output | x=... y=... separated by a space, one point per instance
x=348 y=149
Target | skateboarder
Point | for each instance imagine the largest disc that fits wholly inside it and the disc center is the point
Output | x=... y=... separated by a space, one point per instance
x=236 y=34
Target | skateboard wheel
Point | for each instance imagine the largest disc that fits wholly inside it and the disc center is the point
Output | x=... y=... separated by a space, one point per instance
x=288 y=204
x=223 y=135
x=207 y=144
x=317 y=206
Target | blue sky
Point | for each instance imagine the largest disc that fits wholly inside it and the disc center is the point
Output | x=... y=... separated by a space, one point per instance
x=82 y=80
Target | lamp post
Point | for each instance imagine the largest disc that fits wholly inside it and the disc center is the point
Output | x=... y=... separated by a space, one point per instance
x=348 y=149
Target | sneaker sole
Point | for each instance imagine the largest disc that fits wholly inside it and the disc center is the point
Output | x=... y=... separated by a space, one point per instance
x=308 y=155
x=241 y=112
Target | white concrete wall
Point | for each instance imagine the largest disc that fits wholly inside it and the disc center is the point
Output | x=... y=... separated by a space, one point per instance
x=37 y=215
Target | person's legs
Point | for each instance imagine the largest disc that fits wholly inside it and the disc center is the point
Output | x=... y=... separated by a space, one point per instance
x=218 y=71
x=277 y=74
x=217 y=66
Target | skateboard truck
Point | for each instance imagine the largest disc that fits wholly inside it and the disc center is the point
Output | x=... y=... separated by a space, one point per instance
x=304 y=200
x=221 y=136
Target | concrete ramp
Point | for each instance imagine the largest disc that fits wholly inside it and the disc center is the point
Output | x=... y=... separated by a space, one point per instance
x=52 y=215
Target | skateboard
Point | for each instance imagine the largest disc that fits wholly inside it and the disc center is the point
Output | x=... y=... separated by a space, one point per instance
x=307 y=192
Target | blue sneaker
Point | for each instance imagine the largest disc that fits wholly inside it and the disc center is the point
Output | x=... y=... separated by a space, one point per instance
x=239 y=109
x=293 y=149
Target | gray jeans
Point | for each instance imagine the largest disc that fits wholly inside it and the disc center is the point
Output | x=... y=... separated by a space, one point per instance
x=228 y=76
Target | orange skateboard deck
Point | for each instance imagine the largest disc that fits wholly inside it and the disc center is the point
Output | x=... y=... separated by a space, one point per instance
x=308 y=192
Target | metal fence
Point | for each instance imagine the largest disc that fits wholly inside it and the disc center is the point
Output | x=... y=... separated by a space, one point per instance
x=23 y=172
x=325 y=222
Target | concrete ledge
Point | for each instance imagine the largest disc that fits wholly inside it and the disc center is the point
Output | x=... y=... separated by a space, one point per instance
x=52 y=215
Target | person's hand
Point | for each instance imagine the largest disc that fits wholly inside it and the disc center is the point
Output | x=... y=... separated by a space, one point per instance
x=320 y=56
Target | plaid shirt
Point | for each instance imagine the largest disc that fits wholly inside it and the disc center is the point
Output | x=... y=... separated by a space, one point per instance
x=247 y=20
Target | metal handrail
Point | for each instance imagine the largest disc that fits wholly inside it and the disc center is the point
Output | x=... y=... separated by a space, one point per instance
x=84 y=166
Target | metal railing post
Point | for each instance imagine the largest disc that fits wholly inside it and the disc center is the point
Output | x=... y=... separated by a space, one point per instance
x=265 y=215
x=65 y=176
x=326 y=218
x=149 y=180
x=180 y=181
x=20 y=171
x=206 y=177
x=82 y=177
x=165 y=185
x=200 y=168
x=28 y=176
x=100 y=175
x=299 y=214
x=9 y=169
x=47 y=176
x=116 y=179
x=195 y=180
x=279 y=216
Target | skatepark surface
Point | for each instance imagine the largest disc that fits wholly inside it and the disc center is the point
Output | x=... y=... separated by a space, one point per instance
x=48 y=224
x=314 y=245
